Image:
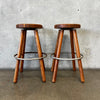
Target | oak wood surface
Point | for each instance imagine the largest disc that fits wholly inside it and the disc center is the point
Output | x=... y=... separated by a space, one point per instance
x=23 y=50
x=65 y=26
x=18 y=61
x=52 y=69
x=72 y=49
x=78 y=55
x=57 y=55
x=29 y=26
x=42 y=67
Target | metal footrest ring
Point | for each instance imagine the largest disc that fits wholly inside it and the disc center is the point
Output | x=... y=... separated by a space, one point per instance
x=38 y=58
x=69 y=59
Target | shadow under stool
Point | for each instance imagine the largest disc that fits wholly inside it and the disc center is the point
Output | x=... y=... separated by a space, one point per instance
x=74 y=40
x=21 y=51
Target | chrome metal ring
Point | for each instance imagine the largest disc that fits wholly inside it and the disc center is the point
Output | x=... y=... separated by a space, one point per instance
x=69 y=59
x=39 y=58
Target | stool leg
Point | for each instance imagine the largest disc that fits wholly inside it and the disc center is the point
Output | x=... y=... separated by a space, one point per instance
x=22 y=53
x=78 y=55
x=72 y=49
x=42 y=67
x=19 y=54
x=52 y=69
x=57 y=55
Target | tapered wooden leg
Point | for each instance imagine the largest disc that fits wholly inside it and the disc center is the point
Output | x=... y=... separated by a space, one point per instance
x=78 y=55
x=40 y=55
x=52 y=69
x=19 y=54
x=72 y=49
x=57 y=55
x=22 y=53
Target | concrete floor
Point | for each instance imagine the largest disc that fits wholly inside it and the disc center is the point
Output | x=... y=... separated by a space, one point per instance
x=67 y=86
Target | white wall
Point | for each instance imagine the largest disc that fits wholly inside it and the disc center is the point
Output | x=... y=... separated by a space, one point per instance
x=48 y=13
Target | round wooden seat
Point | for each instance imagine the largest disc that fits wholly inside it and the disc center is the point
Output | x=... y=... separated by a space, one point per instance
x=67 y=26
x=29 y=26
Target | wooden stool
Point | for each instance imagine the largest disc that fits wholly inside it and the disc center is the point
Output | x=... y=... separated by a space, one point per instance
x=56 y=58
x=20 y=56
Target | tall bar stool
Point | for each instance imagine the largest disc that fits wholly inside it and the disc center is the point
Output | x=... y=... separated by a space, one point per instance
x=73 y=39
x=21 y=51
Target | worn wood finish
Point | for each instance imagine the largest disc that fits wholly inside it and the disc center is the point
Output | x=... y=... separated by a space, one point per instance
x=72 y=49
x=29 y=26
x=67 y=26
x=42 y=67
x=52 y=69
x=78 y=55
x=57 y=55
x=23 y=50
x=19 y=54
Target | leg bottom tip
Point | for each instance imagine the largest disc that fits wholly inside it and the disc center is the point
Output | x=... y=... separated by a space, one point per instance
x=14 y=82
x=53 y=81
x=82 y=81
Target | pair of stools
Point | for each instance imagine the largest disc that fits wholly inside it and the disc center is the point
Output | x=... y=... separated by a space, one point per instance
x=73 y=38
